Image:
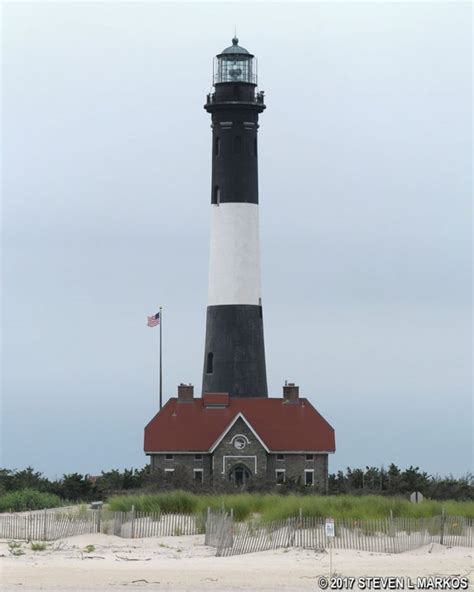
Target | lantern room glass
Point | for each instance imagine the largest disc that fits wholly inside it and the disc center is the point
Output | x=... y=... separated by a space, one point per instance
x=235 y=68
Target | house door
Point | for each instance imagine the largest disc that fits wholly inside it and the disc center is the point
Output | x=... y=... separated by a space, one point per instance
x=240 y=475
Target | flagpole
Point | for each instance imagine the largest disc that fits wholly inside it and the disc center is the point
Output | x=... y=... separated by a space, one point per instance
x=161 y=358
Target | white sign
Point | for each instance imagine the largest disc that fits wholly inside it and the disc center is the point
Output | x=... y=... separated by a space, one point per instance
x=330 y=527
x=416 y=497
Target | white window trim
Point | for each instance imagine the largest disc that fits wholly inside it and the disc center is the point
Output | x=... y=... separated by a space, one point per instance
x=169 y=470
x=309 y=471
x=277 y=471
x=198 y=471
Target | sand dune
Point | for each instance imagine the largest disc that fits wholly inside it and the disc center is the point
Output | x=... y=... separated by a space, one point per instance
x=183 y=564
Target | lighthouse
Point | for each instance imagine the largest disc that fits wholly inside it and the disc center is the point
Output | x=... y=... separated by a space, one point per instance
x=234 y=357
x=235 y=433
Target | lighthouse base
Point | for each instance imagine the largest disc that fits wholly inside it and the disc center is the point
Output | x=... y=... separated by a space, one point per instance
x=234 y=358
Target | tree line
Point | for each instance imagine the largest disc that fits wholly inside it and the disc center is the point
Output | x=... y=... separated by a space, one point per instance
x=394 y=481
x=371 y=480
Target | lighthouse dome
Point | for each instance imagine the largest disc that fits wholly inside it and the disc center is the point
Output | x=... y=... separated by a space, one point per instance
x=235 y=48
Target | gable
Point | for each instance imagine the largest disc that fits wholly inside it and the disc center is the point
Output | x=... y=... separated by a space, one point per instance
x=239 y=425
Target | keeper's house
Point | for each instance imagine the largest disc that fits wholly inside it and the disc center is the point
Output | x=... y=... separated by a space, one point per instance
x=217 y=439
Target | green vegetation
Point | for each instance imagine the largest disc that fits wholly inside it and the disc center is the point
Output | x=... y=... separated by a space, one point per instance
x=28 y=499
x=89 y=548
x=38 y=546
x=275 y=507
x=76 y=487
x=15 y=548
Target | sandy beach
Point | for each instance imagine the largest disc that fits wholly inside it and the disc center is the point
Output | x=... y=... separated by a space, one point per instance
x=186 y=564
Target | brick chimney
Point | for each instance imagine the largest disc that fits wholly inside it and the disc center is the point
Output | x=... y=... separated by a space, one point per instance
x=291 y=392
x=185 y=393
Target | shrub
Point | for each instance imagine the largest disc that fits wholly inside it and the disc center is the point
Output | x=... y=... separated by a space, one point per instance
x=28 y=499
x=38 y=546
x=15 y=548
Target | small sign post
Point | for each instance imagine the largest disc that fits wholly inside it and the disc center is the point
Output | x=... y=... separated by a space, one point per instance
x=416 y=497
x=330 y=534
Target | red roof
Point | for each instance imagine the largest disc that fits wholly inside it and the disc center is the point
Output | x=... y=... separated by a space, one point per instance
x=192 y=426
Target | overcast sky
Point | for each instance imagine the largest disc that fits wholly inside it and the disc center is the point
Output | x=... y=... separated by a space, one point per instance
x=365 y=188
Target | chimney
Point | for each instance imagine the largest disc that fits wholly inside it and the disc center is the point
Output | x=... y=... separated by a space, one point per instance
x=185 y=393
x=291 y=392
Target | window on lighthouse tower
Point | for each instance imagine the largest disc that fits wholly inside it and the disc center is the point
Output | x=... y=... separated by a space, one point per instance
x=237 y=144
x=210 y=363
x=216 y=195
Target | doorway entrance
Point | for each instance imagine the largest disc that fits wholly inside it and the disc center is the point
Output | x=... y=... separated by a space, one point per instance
x=240 y=475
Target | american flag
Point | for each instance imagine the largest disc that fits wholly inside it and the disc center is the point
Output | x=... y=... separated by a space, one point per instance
x=154 y=320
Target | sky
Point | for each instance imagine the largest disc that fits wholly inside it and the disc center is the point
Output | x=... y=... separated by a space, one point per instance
x=365 y=186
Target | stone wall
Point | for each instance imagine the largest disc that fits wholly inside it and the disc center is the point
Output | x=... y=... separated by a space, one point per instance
x=262 y=466
x=295 y=465
x=184 y=465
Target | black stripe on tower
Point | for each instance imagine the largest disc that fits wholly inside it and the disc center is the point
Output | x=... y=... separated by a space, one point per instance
x=235 y=354
x=235 y=110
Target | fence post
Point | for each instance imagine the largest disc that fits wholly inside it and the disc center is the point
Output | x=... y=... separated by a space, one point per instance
x=443 y=521
x=133 y=522
x=232 y=513
x=45 y=524
x=98 y=518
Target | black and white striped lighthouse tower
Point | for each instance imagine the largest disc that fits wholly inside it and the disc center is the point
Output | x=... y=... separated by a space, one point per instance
x=234 y=360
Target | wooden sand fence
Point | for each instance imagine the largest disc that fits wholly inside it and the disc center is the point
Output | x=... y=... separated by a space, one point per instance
x=385 y=535
x=50 y=525
x=219 y=529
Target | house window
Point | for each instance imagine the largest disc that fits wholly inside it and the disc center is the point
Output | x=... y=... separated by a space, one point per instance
x=210 y=363
x=310 y=457
x=217 y=146
x=169 y=475
x=198 y=457
x=216 y=195
x=237 y=144
x=198 y=475
x=280 y=457
x=169 y=457
x=280 y=476
x=309 y=477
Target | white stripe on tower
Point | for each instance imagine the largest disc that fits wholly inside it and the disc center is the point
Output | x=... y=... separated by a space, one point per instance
x=234 y=267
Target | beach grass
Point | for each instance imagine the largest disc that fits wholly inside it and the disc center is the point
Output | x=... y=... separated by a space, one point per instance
x=276 y=507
